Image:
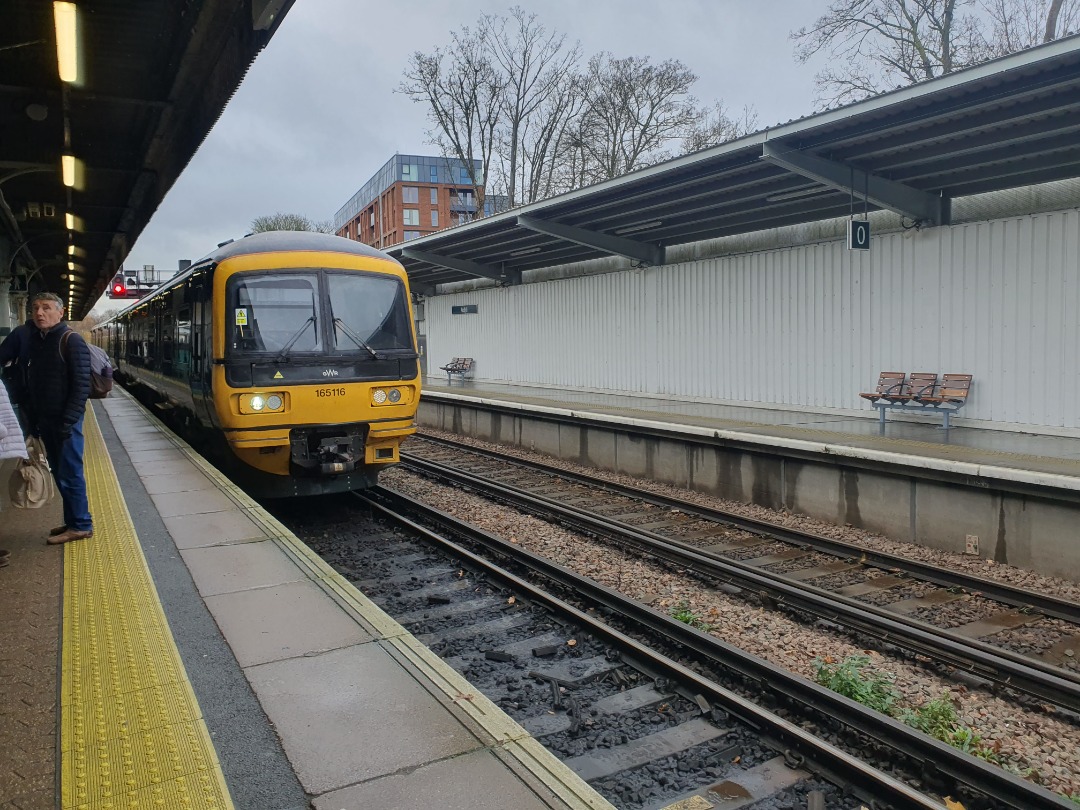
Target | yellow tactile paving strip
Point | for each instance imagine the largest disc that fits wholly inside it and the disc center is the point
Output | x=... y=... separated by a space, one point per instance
x=132 y=736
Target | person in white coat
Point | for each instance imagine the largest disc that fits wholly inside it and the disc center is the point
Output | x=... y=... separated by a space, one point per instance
x=12 y=444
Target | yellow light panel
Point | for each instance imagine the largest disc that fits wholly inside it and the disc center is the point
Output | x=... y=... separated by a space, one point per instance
x=67 y=163
x=67 y=50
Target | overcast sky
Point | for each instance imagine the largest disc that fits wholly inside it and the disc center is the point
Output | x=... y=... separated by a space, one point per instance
x=318 y=113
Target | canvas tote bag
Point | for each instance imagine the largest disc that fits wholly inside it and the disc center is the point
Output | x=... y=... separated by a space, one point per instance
x=32 y=484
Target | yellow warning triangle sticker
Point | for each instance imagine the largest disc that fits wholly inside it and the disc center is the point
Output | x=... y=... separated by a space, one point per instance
x=278 y=375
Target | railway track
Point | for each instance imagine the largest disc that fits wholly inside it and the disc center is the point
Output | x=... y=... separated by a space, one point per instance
x=716 y=545
x=646 y=708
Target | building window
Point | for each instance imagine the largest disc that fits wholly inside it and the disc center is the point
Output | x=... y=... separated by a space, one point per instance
x=463 y=174
x=434 y=219
x=434 y=196
x=434 y=174
x=412 y=216
x=410 y=194
x=371 y=222
x=411 y=235
x=410 y=171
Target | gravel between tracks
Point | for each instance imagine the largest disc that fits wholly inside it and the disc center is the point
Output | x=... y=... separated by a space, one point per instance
x=1040 y=745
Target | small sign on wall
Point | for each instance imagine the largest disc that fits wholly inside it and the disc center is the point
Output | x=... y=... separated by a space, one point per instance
x=858 y=234
x=464 y=309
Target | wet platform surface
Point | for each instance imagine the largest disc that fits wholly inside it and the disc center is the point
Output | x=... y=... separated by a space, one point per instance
x=310 y=696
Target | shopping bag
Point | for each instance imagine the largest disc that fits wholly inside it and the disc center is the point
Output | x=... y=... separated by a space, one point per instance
x=32 y=484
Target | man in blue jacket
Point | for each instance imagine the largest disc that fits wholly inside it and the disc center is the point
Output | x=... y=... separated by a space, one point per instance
x=53 y=385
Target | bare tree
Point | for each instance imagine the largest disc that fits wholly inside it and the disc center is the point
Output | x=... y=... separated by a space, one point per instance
x=1019 y=24
x=874 y=45
x=633 y=110
x=714 y=126
x=281 y=222
x=463 y=93
x=549 y=142
x=537 y=72
x=878 y=44
x=509 y=93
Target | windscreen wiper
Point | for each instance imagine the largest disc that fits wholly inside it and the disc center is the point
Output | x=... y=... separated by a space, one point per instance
x=284 y=353
x=355 y=338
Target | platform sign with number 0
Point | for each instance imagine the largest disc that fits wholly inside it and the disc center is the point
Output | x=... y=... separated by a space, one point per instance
x=858 y=234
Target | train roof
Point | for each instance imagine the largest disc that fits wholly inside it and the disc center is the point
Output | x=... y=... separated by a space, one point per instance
x=266 y=242
x=276 y=241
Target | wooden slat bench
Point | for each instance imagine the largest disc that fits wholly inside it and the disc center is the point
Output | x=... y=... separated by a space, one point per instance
x=890 y=384
x=459 y=366
x=920 y=392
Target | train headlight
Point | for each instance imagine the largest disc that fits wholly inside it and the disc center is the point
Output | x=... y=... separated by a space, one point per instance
x=397 y=395
x=262 y=403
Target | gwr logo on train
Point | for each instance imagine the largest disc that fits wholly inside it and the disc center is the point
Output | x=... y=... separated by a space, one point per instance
x=217 y=342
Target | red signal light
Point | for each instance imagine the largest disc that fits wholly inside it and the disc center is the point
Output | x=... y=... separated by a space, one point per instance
x=119 y=289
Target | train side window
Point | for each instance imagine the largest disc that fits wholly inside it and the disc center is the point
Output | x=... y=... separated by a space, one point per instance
x=183 y=340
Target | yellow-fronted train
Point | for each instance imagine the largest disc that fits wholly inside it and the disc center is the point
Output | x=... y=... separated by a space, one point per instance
x=292 y=356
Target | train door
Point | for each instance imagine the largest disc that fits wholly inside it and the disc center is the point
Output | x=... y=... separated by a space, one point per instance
x=199 y=375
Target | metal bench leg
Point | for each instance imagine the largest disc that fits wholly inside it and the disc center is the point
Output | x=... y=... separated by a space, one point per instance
x=946 y=418
x=881 y=416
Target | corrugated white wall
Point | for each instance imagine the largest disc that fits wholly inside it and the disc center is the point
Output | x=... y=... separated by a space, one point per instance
x=807 y=326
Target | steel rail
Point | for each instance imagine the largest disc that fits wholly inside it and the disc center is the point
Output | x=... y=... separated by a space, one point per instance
x=1047 y=605
x=1009 y=669
x=940 y=764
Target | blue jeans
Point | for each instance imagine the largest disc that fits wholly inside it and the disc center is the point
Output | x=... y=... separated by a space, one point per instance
x=66 y=460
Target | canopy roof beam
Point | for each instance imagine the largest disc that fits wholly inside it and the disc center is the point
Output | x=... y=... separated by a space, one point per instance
x=464 y=266
x=644 y=252
x=884 y=193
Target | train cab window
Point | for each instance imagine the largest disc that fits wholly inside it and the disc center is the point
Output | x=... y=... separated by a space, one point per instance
x=274 y=313
x=371 y=308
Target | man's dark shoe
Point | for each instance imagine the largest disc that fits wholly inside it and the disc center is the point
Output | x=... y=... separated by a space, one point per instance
x=68 y=536
x=57 y=530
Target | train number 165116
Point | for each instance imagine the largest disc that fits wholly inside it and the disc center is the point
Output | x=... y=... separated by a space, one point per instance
x=329 y=392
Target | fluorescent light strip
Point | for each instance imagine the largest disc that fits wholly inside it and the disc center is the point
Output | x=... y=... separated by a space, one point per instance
x=67 y=50
x=643 y=226
x=67 y=164
x=794 y=195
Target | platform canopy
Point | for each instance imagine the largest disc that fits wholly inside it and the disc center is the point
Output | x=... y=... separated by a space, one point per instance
x=1011 y=122
x=151 y=77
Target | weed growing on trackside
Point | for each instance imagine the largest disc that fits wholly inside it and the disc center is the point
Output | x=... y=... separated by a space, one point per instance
x=684 y=614
x=936 y=718
x=939 y=719
x=873 y=690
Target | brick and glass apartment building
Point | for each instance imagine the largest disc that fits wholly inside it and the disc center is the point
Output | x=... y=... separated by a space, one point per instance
x=409 y=197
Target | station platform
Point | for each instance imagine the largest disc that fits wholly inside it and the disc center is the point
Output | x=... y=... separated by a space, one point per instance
x=1022 y=456
x=1007 y=497
x=194 y=654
